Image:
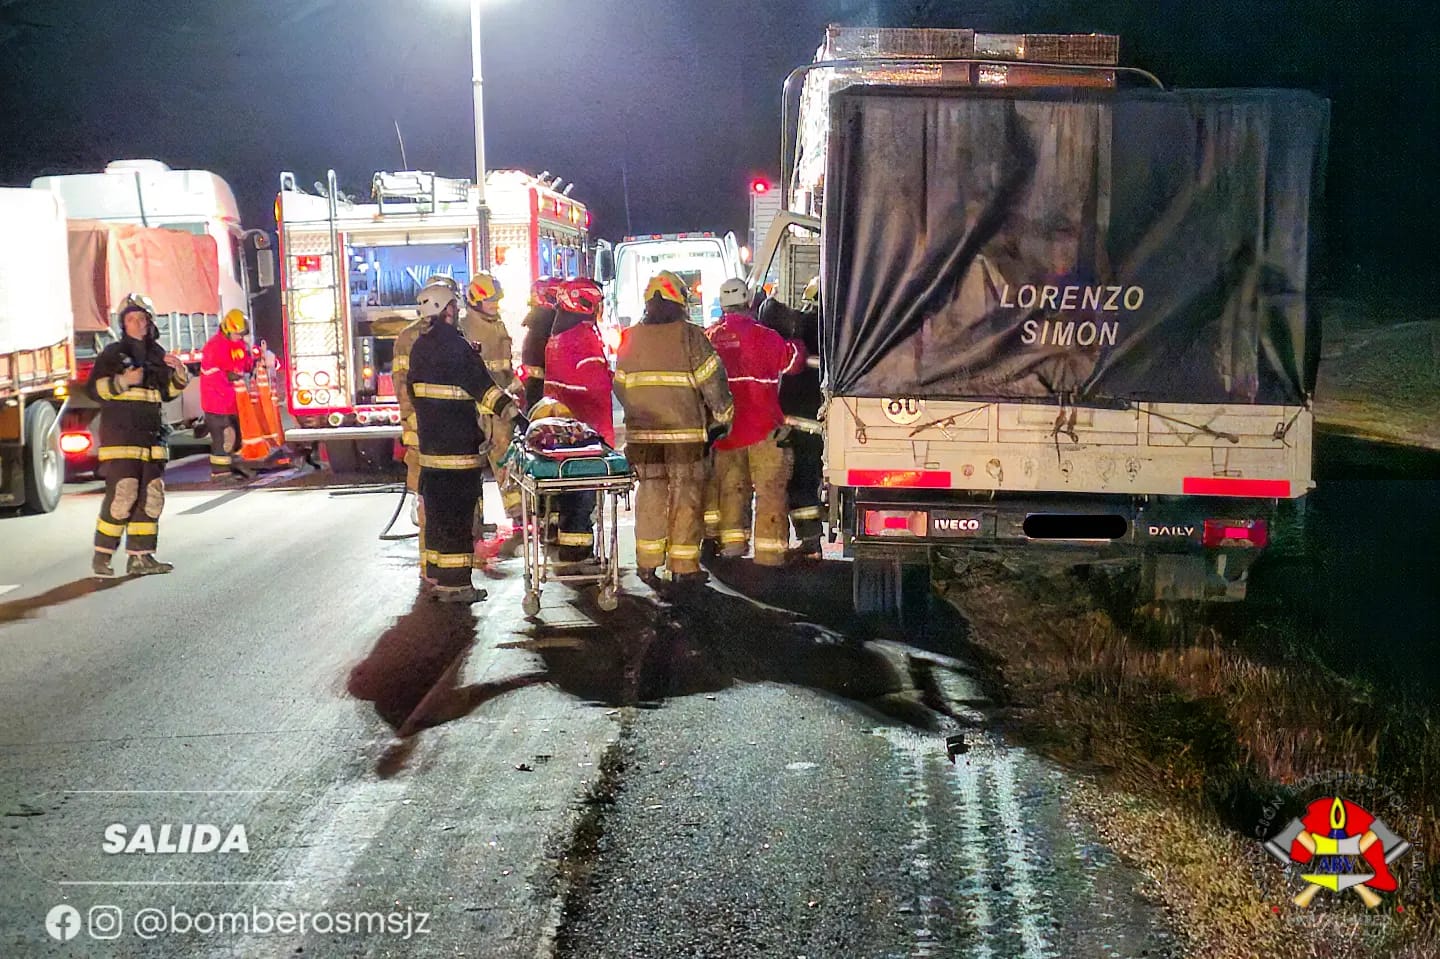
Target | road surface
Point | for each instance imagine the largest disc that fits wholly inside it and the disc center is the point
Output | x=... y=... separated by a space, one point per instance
x=707 y=775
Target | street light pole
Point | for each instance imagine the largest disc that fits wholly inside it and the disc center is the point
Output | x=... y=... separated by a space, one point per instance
x=477 y=83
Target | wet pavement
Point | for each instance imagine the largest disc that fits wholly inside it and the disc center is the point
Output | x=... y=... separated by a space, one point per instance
x=744 y=764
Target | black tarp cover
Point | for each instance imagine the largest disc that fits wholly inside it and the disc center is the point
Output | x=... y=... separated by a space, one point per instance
x=1142 y=245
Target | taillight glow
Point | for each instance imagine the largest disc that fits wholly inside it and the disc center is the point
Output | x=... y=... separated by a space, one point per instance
x=1230 y=486
x=73 y=444
x=303 y=397
x=926 y=479
x=1251 y=533
x=908 y=522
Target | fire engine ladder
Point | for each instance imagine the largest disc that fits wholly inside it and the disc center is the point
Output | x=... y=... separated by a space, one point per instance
x=413 y=191
x=328 y=338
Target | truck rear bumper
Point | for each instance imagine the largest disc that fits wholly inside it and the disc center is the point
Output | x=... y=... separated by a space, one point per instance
x=321 y=434
x=1190 y=547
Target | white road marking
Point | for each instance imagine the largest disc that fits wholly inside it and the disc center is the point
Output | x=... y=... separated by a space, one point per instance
x=6 y=589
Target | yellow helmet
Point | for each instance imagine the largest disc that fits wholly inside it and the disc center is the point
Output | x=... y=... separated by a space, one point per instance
x=483 y=287
x=234 y=322
x=669 y=287
x=812 y=292
x=550 y=406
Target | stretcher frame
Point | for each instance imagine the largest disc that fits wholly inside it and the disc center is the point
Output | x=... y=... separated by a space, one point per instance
x=535 y=502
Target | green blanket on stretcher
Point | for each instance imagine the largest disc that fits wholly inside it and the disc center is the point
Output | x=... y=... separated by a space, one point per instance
x=606 y=463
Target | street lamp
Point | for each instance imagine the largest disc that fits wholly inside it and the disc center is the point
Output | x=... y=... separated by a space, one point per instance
x=477 y=84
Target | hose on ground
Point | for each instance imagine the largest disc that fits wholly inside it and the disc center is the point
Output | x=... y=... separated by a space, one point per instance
x=385 y=533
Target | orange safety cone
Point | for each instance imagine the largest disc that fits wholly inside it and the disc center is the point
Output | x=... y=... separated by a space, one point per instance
x=254 y=446
x=269 y=416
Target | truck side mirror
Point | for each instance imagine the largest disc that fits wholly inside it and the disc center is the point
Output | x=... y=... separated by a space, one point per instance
x=265 y=268
x=604 y=265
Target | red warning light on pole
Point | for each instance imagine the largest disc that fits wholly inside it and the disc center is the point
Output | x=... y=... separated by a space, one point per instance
x=759 y=186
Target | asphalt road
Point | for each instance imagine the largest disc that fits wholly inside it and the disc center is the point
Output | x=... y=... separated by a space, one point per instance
x=739 y=771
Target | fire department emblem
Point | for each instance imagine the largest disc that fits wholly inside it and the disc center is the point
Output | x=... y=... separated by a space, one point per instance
x=1339 y=846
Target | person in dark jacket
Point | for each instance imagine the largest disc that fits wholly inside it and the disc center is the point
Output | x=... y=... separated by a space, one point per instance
x=538 y=324
x=130 y=380
x=453 y=394
x=800 y=400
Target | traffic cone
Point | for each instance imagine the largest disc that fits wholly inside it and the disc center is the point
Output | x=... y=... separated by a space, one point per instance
x=254 y=445
x=269 y=417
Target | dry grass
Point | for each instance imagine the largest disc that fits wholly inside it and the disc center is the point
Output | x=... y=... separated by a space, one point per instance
x=1201 y=736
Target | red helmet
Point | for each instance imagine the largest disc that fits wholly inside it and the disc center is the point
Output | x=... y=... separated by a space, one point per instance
x=580 y=296
x=542 y=291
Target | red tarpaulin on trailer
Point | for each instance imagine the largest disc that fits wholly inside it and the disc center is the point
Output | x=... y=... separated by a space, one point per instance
x=179 y=271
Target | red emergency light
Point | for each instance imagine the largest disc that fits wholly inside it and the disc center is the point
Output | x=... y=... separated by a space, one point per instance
x=759 y=186
x=307 y=264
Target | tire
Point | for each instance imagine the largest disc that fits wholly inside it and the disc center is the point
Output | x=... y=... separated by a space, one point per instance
x=876 y=587
x=44 y=461
x=344 y=456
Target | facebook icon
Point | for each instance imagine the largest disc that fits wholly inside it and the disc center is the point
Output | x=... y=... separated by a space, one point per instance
x=63 y=923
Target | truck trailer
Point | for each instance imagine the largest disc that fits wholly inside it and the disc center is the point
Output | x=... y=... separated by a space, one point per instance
x=176 y=235
x=1062 y=307
x=37 y=352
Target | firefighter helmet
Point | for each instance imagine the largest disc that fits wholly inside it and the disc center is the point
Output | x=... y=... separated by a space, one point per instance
x=436 y=296
x=233 y=323
x=668 y=286
x=137 y=301
x=549 y=406
x=811 y=295
x=580 y=296
x=542 y=291
x=734 y=294
x=483 y=288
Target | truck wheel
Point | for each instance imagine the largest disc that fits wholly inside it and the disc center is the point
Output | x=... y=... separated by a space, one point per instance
x=44 y=461
x=876 y=587
x=344 y=456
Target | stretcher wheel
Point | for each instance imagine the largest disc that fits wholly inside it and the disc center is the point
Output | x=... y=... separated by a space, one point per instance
x=531 y=604
x=607 y=600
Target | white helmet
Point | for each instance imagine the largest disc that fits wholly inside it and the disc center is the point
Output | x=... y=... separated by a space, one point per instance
x=734 y=293
x=436 y=296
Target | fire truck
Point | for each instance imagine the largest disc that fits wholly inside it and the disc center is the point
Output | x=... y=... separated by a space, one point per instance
x=352 y=272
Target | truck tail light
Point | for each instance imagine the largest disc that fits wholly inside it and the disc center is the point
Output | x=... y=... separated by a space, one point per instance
x=73 y=444
x=1249 y=533
x=899 y=522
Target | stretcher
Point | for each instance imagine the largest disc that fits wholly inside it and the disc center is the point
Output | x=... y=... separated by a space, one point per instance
x=541 y=481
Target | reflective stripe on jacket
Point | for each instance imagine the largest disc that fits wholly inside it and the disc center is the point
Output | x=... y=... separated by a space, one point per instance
x=577 y=373
x=671 y=383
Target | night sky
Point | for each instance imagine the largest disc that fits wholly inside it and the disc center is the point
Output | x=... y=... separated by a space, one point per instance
x=684 y=94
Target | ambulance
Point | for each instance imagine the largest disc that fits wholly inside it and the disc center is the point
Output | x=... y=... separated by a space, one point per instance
x=351 y=273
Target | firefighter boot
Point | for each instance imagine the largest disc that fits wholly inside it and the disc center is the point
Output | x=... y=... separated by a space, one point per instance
x=100 y=565
x=809 y=548
x=465 y=595
x=145 y=564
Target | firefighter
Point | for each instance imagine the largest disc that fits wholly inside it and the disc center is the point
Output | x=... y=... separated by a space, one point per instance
x=750 y=461
x=677 y=404
x=537 y=333
x=224 y=362
x=578 y=377
x=800 y=400
x=400 y=375
x=130 y=380
x=484 y=327
x=452 y=394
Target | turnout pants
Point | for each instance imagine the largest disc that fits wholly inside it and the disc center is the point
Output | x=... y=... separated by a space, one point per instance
x=576 y=533
x=448 y=499
x=134 y=500
x=224 y=441
x=669 y=504
x=497 y=429
x=803 y=490
x=761 y=470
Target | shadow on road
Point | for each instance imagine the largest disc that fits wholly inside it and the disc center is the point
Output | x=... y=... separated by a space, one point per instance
x=412 y=675
x=703 y=640
x=18 y=609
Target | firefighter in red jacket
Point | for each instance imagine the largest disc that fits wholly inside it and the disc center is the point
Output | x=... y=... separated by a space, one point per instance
x=750 y=461
x=577 y=375
x=224 y=362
